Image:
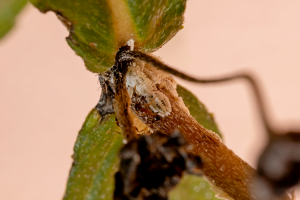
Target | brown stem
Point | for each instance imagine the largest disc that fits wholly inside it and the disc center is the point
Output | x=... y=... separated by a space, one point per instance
x=121 y=101
x=222 y=167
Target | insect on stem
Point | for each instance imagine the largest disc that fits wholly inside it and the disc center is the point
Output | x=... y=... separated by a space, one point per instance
x=243 y=76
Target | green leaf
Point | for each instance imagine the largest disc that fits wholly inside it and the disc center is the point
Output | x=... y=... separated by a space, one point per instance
x=156 y=22
x=95 y=159
x=193 y=188
x=98 y=28
x=8 y=11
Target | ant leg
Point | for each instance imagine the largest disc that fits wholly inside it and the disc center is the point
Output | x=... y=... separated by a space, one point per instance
x=249 y=78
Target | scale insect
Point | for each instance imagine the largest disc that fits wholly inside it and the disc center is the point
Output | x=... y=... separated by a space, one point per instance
x=147 y=81
x=137 y=80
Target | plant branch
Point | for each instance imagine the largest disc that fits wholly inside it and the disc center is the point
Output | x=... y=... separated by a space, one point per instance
x=224 y=170
x=121 y=98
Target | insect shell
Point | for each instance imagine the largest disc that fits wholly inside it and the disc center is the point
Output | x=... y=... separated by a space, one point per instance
x=144 y=82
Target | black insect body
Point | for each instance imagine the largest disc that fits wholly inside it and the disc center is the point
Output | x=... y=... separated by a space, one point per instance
x=279 y=165
x=153 y=165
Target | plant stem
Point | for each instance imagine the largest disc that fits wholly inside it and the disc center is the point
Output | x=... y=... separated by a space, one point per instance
x=230 y=175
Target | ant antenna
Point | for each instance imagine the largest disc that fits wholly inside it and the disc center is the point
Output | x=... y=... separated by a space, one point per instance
x=250 y=79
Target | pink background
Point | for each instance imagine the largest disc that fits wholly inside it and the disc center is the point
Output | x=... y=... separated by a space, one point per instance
x=46 y=92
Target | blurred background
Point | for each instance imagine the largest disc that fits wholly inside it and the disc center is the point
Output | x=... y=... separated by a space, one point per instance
x=46 y=92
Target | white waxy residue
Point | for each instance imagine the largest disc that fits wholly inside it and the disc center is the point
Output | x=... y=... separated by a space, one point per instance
x=131 y=44
x=154 y=85
x=143 y=82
